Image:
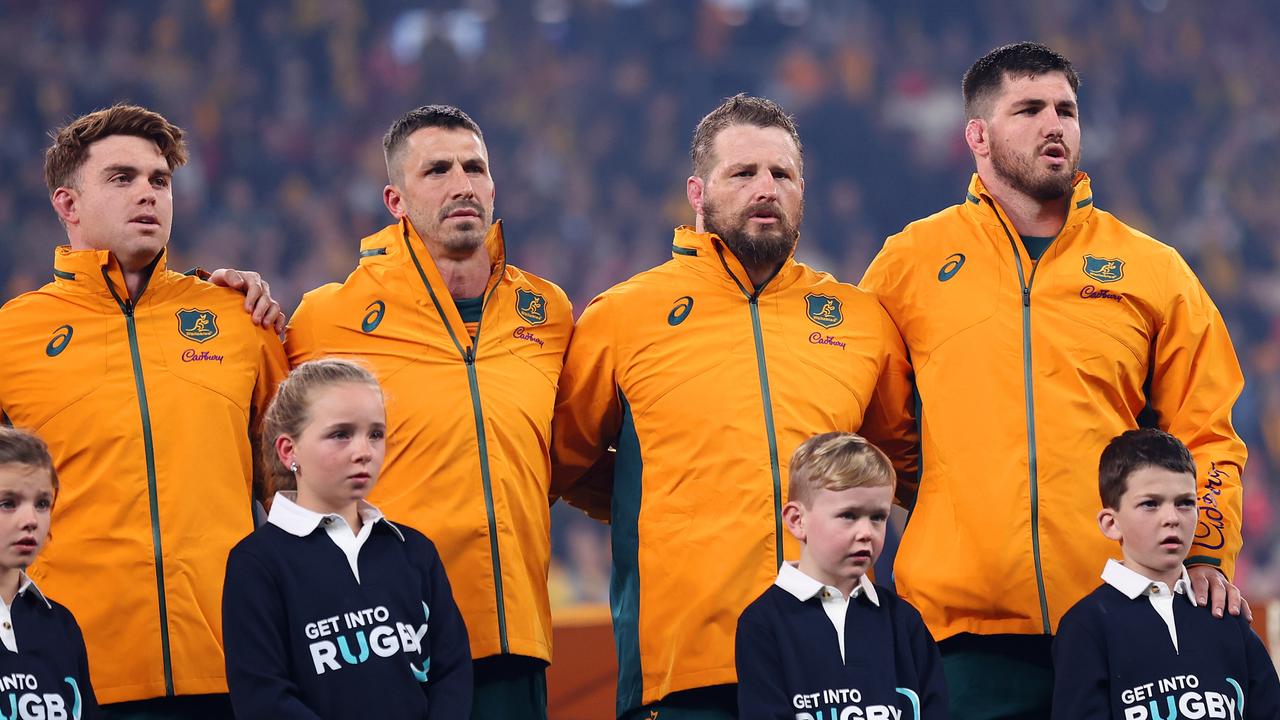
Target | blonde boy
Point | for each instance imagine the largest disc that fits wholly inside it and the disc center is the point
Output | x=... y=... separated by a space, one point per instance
x=883 y=661
x=1139 y=647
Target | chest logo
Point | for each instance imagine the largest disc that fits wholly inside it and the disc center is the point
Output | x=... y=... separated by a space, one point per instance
x=680 y=310
x=531 y=306
x=197 y=325
x=950 y=267
x=824 y=310
x=61 y=339
x=1103 y=269
x=373 y=316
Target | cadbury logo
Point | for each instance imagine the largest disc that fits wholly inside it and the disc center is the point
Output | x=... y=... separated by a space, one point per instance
x=1089 y=292
x=521 y=333
x=818 y=338
x=190 y=356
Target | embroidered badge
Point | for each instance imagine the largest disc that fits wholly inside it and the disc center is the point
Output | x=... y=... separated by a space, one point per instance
x=1103 y=269
x=531 y=306
x=198 y=325
x=824 y=310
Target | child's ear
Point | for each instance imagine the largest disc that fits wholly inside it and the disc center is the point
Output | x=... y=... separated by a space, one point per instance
x=793 y=516
x=284 y=450
x=1109 y=524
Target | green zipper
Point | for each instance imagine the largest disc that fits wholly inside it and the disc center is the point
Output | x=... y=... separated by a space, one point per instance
x=753 y=301
x=127 y=307
x=1032 y=467
x=468 y=354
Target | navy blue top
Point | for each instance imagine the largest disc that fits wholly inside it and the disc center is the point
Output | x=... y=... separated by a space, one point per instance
x=304 y=639
x=789 y=663
x=1113 y=658
x=49 y=675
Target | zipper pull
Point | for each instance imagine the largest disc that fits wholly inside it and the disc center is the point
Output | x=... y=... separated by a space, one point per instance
x=469 y=357
x=128 y=308
x=1026 y=297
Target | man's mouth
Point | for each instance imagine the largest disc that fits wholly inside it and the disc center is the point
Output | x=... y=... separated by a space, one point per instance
x=1055 y=151
x=145 y=219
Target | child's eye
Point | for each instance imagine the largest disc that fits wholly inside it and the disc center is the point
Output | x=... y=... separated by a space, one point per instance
x=44 y=504
x=6 y=505
x=880 y=517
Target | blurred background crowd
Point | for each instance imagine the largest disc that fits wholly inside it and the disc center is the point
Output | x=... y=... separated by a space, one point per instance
x=588 y=107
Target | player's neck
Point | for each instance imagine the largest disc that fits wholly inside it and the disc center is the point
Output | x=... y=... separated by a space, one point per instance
x=10 y=578
x=1030 y=216
x=465 y=278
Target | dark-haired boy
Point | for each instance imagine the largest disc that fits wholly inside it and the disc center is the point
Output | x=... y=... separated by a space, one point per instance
x=1139 y=647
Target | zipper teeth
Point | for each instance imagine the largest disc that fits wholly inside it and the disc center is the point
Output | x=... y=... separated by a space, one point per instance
x=767 y=401
x=1029 y=391
x=473 y=382
x=152 y=496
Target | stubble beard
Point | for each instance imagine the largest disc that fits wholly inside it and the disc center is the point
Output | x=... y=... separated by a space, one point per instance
x=1021 y=173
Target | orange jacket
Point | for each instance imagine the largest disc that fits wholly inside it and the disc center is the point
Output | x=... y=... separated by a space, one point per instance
x=469 y=425
x=705 y=388
x=147 y=406
x=1025 y=371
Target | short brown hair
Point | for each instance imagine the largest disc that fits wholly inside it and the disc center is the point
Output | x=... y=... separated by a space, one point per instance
x=70 y=148
x=19 y=447
x=986 y=76
x=1136 y=449
x=446 y=117
x=836 y=461
x=289 y=411
x=741 y=109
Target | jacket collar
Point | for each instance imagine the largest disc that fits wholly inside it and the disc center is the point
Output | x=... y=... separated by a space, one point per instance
x=404 y=248
x=980 y=201
x=710 y=254
x=98 y=271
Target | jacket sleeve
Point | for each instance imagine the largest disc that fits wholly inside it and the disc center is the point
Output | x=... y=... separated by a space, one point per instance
x=449 y=677
x=889 y=422
x=300 y=336
x=1081 y=688
x=928 y=661
x=88 y=700
x=761 y=695
x=1195 y=380
x=1262 y=697
x=587 y=415
x=256 y=644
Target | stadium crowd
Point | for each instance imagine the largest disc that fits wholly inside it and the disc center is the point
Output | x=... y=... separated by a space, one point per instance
x=587 y=108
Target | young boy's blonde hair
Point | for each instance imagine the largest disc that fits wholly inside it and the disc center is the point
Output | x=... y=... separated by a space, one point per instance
x=836 y=461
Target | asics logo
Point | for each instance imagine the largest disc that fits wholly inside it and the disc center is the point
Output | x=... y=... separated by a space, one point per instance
x=682 y=308
x=61 y=339
x=950 y=267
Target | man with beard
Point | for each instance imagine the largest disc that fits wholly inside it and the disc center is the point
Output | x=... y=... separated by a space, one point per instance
x=468 y=350
x=1039 y=327
x=704 y=374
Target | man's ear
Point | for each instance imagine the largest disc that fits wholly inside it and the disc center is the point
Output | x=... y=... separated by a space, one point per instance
x=1110 y=524
x=66 y=202
x=976 y=137
x=694 y=188
x=394 y=201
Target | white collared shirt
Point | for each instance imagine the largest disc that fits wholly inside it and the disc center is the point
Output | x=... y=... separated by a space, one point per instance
x=803 y=587
x=1134 y=584
x=294 y=519
x=6 y=612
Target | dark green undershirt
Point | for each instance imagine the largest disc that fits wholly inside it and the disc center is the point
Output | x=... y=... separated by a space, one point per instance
x=469 y=308
x=1036 y=245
